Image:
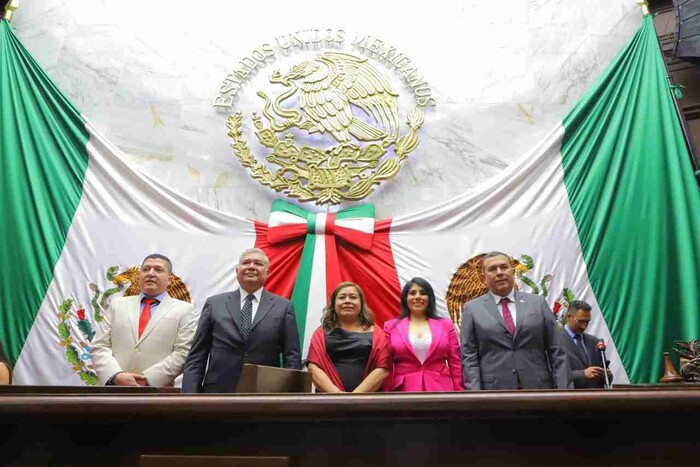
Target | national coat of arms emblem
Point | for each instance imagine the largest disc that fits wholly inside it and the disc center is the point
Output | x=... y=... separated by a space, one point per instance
x=336 y=94
x=466 y=284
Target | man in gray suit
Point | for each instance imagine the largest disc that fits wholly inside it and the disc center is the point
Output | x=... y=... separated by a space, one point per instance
x=585 y=361
x=249 y=325
x=509 y=338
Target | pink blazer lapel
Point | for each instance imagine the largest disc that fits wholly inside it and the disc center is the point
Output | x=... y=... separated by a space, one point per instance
x=402 y=329
x=436 y=331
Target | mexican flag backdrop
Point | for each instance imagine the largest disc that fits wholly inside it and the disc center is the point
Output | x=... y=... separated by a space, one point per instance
x=605 y=210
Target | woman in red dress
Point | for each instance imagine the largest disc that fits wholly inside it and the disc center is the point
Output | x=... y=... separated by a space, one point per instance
x=348 y=353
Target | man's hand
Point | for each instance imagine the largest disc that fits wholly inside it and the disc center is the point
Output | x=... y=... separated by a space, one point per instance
x=129 y=379
x=593 y=372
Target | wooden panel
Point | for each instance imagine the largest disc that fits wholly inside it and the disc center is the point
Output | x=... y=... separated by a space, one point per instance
x=268 y=379
x=212 y=461
x=640 y=426
x=35 y=391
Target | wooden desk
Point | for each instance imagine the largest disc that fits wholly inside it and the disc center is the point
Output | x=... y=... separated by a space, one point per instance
x=35 y=391
x=547 y=428
x=658 y=387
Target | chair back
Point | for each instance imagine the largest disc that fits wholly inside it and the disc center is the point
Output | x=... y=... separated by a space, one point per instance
x=5 y=374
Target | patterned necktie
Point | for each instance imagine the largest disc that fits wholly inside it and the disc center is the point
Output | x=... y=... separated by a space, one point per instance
x=507 y=317
x=145 y=314
x=247 y=316
x=578 y=338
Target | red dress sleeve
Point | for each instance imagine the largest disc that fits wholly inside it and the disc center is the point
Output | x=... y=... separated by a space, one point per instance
x=379 y=357
x=319 y=357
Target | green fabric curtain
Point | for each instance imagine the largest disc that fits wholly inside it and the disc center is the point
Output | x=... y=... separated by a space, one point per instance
x=42 y=149
x=637 y=206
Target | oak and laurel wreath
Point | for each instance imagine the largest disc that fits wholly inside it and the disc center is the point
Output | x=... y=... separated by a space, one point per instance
x=99 y=302
x=523 y=265
x=85 y=371
x=293 y=186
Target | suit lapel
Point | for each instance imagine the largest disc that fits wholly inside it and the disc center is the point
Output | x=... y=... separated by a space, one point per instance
x=233 y=304
x=574 y=348
x=402 y=328
x=587 y=355
x=491 y=307
x=264 y=307
x=163 y=309
x=134 y=311
x=436 y=331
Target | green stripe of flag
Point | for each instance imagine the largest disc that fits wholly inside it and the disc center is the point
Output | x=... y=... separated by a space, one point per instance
x=636 y=205
x=311 y=223
x=44 y=160
x=363 y=210
x=302 y=286
x=281 y=205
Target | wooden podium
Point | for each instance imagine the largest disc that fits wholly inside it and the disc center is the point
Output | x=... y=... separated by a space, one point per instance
x=269 y=379
x=625 y=427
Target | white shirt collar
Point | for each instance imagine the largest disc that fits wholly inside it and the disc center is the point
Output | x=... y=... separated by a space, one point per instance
x=498 y=298
x=257 y=294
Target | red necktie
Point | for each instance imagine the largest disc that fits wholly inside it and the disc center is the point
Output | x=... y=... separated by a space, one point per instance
x=507 y=317
x=145 y=314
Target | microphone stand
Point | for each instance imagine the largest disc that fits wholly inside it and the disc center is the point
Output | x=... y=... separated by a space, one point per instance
x=601 y=346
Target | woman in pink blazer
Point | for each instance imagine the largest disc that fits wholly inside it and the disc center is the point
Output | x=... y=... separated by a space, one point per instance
x=424 y=347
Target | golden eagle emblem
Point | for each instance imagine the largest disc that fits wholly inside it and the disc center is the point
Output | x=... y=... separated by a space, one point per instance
x=337 y=94
x=334 y=81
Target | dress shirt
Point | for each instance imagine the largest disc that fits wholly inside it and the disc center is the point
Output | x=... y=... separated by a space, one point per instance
x=421 y=345
x=154 y=306
x=511 y=304
x=582 y=347
x=571 y=333
x=256 y=301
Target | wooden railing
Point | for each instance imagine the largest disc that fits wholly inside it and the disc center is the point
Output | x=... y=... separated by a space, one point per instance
x=640 y=425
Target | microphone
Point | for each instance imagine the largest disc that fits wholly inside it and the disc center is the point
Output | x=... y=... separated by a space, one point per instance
x=600 y=346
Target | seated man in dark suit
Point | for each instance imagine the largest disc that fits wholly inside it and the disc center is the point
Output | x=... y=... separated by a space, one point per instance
x=585 y=361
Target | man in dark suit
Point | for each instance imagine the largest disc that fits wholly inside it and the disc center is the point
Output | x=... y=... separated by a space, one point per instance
x=249 y=325
x=509 y=338
x=585 y=361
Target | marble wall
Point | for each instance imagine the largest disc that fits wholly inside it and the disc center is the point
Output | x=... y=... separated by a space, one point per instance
x=146 y=74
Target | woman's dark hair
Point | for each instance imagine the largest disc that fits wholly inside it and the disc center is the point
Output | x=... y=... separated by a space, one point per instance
x=330 y=318
x=431 y=311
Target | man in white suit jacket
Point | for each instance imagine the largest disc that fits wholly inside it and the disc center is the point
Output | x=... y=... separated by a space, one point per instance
x=145 y=338
x=510 y=339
